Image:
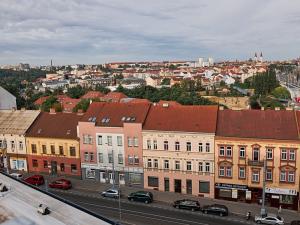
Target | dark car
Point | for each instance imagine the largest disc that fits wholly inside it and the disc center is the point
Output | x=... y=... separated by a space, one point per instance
x=61 y=184
x=187 y=204
x=141 y=196
x=295 y=222
x=35 y=180
x=216 y=209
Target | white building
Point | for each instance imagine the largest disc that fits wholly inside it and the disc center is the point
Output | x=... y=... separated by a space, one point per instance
x=7 y=100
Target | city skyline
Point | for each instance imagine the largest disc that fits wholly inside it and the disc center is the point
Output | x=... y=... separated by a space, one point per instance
x=96 y=32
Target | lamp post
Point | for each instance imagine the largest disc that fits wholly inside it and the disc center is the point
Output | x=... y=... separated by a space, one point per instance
x=263 y=210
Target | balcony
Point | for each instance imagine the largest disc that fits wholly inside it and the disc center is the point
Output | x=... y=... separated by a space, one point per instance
x=258 y=163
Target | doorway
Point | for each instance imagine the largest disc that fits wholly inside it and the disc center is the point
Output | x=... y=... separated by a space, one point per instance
x=189 y=187
x=102 y=177
x=167 y=184
x=53 y=167
x=177 y=186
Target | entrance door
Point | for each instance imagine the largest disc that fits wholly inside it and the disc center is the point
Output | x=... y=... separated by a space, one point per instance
x=177 y=186
x=102 y=177
x=189 y=186
x=53 y=167
x=111 y=178
x=121 y=178
x=167 y=184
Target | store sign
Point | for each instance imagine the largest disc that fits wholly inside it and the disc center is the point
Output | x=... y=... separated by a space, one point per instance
x=234 y=193
x=281 y=191
x=231 y=186
x=275 y=196
x=248 y=195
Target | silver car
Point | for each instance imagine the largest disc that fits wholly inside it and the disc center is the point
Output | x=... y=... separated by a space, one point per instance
x=269 y=219
x=111 y=193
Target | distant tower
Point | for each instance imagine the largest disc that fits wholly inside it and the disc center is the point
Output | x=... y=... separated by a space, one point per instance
x=255 y=57
x=51 y=65
x=261 y=57
x=200 y=61
x=210 y=61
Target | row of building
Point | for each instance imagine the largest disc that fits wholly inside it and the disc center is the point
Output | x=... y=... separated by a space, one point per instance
x=201 y=150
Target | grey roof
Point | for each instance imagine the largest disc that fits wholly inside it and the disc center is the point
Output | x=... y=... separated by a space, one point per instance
x=16 y=122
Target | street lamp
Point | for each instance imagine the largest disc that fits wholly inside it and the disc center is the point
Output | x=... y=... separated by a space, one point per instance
x=263 y=210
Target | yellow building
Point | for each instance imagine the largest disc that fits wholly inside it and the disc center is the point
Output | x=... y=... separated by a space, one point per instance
x=245 y=140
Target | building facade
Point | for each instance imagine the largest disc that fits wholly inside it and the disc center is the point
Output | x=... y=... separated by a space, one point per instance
x=7 y=100
x=13 y=126
x=53 y=146
x=246 y=152
x=178 y=149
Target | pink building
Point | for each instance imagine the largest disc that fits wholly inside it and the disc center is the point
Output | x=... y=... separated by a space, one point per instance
x=178 y=149
x=111 y=141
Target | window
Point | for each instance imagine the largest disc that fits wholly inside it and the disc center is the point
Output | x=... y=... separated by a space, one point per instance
x=222 y=171
x=73 y=168
x=129 y=142
x=12 y=144
x=155 y=163
x=283 y=154
x=87 y=139
x=292 y=155
x=188 y=165
x=120 y=158
x=130 y=160
x=91 y=156
x=110 y=158
x=149 y=163
x=166 y=145
x=177 y=165
x=21 y=145
x=188 y=146
x=269 y=175
x=72 y=151
x=242 y=174
x=61 y=150
x=282 y=176
x=200 y=166
x=242 y=152
x=44 y=149
x=291 y=176
x=148 y=144
x=154 y=144
x=153 y=181
x=207 y=167
x=109 y=140
x=100 y=157
x=99 y=139
x=255 y=155
x=45 y=164
x=119 y=141
x=86 y=156
x=204 y=186
x=166 y=164
x=1 y=143
x=62 y=167
x=200 y=147
x=177 y=146
x=255 y=176
x=207 y=147
x=52 y=148
x=269 y=153
x=228 y=151
x=136 y=142
x=222 y=151
x=35 y=163
x=228 y=171
x=136 y=160
x=33 y=148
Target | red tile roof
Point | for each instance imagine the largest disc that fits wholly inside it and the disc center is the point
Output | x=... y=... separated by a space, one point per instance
x=58 y=125
x=92 y=95
x=263 y=124
x=182 y=118
x=114 y=96
x=41 y=100
x=111 y=114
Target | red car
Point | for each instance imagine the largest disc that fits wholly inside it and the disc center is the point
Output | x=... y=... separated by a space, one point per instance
x=61 y=184
x=35 y=180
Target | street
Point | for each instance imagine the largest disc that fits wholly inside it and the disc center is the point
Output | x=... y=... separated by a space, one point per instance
x=141 y=214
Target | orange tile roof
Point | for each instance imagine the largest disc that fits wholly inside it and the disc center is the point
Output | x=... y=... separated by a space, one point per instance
x=92 y=95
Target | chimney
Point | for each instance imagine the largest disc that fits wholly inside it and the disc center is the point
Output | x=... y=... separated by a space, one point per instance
x=262 y=108
x=165 y=105
x=277 y=108
x=289 y=108
x=80 y=112
x=52 y=111
x=221 y=107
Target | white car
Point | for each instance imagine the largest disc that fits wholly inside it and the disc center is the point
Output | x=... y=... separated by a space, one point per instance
x=269 y=219
x=16 y=175
x=111 y=193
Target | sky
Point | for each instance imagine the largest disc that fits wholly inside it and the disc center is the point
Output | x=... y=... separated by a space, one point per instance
x=100 y=31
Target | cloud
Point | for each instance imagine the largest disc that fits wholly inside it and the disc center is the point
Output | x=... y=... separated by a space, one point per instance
x=97 y=31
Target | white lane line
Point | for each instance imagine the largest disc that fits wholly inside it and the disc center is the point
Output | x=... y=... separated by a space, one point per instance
x=147 y=214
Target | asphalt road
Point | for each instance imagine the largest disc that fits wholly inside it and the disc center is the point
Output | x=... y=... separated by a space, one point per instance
x=134 y=213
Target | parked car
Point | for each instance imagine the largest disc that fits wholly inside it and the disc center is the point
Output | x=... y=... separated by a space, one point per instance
x=216 y=209
x=187 y=204
x=295 y=222
x=111 y=193
x=17 y=175
x=141 y=196
x=61 y=184
x=269 y=219
x=43 y=209
x=35 y=180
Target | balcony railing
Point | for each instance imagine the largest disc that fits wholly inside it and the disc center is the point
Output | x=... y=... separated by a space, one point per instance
x=259 y=163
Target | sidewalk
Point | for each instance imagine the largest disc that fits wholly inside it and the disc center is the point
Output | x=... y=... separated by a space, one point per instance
x=167 y=198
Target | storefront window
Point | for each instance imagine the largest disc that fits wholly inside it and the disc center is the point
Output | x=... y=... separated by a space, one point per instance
x=286 y=199
x=225 y=193
x=204 y=186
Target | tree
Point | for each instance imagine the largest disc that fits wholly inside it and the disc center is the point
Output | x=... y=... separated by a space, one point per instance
x=49 y=103
x=102 y=89
x=165 y=81
x=281 y=92
x=83 y=104
x=76 y=92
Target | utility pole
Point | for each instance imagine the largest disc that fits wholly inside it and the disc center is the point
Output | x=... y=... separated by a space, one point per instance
x=263 y=210
x=120 y=212
x=113 y=165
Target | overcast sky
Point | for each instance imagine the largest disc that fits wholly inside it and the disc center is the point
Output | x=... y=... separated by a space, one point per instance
x=98 y=31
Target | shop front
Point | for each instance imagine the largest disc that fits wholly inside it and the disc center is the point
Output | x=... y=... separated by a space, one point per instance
x=232 y=192
x=286 y=198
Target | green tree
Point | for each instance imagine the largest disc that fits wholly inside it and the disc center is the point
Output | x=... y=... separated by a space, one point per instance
x=49 y=103
x=281 y=92
x=83 y=104
x=76 y=92
x=165 y=81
